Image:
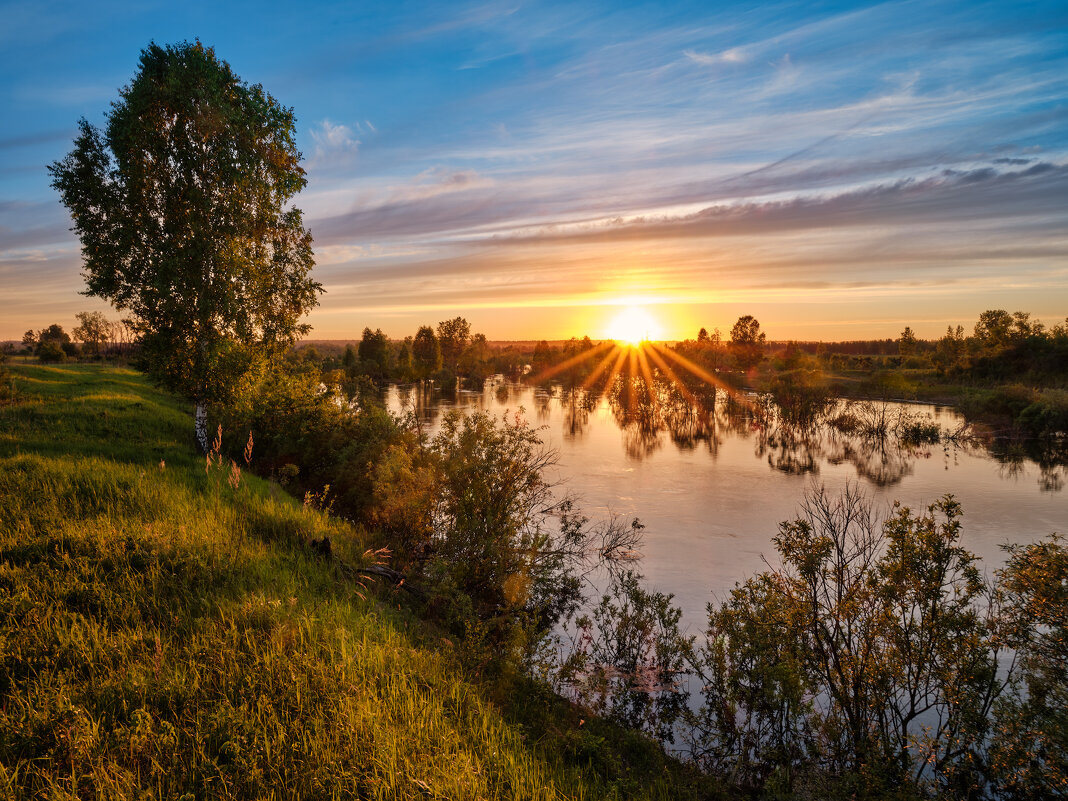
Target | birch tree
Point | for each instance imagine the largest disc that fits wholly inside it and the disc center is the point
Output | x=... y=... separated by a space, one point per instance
x=182 y=205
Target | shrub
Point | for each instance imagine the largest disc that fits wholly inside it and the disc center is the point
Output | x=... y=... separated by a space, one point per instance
x=629 y=659
x=834 y=660
x=803 y=397
x=1029 y=757
x=50 y=352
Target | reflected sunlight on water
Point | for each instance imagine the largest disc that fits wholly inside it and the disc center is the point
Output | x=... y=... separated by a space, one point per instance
x=713 y=486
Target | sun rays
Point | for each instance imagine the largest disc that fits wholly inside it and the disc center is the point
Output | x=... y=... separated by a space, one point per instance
x=634 y=351
x=602 y=364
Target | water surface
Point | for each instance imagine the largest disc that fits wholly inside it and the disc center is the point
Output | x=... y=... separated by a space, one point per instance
x=713 y=487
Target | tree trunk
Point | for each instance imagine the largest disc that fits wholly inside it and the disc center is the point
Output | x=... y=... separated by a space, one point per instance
x=200 y=425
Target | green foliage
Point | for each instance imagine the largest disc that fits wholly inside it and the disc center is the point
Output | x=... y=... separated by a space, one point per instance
x=168 y=635
x=888 y=385
x=182 y=208
x=498 y=535
x=54 y=333
x=426 y=351
x=864 y=657
x=93 y=331
x=803 y=397
x=7 y=381
x=994 y=328
x=453 y=335
x=1029 y=755
x=907 y=343
x=50 y=352
x=747 y=342
x=629 y=659
x=1032 y=412
x=405 y=360
x=375 y=354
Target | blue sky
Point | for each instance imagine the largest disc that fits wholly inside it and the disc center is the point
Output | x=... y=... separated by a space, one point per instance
x=839 y=170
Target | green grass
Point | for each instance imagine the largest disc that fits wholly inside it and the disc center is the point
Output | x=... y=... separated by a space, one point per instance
x=165 y=635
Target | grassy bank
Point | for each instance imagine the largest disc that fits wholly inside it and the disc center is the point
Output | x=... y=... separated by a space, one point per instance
x=167 y=632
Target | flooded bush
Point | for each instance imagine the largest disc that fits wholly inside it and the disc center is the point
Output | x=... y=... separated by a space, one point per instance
x=918 y=430
x=803 y=397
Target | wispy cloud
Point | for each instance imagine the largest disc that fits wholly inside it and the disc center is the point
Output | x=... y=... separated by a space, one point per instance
x=954 y=195
x=334 y=143
x=734 y=55
x=38 y=138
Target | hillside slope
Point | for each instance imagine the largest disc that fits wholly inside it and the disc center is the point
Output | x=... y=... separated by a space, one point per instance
x=167 y=632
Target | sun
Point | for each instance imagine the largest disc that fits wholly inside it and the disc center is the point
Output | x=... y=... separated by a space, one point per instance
x=634 y=325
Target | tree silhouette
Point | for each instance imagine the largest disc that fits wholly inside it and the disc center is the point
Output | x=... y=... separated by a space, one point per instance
x=747 y=341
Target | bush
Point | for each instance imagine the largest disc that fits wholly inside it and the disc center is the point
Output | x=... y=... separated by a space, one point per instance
x=833 y=661
x=500 y=536
x=1029 y=757
x=913 y=430
x=1032 y=412
x=630 y=658
x=803 y=397
x=445 y=379
x=1047 y=415
x=51 y=352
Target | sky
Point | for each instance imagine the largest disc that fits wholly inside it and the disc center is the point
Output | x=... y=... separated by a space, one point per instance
x=838 y=170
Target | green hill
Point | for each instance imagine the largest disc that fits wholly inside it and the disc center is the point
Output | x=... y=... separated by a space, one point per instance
x=166 y=631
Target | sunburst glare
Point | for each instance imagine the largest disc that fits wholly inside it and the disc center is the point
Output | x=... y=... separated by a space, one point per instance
x=634 y=325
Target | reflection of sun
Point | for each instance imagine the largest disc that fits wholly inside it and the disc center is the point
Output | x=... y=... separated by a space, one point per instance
x=634 y=325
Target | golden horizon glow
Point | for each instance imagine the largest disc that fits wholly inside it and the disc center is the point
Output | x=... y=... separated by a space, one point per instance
x=634 y=325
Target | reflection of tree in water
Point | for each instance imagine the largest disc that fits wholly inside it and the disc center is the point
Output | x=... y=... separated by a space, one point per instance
x=646 y=407
x=789 y=450
x=1051 y=479
x=543 y=403
x=1052 y=462
x=796 y=426
x=502 y=392
x=637 y=409
x=419 y=400
x=577 y=405
x=883 y=461
x=692 y=426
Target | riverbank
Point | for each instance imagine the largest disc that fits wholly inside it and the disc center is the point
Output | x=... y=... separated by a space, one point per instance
x=169 y=628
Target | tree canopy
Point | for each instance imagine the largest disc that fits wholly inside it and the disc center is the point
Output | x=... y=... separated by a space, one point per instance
x=426 y=351
x=182 y=207
x=747 y=340
x=453 y=335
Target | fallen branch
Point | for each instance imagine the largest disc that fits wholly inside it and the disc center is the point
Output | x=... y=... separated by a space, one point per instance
x=322 y=547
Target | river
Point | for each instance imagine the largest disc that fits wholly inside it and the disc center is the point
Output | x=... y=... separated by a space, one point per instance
x=712 y=489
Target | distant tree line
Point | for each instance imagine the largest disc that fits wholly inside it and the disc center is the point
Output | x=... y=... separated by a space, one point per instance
x=1008 y=373
x=94 y=337
x=1002 y=346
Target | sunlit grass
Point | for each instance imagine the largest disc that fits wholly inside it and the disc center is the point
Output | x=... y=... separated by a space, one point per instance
x=164 y=634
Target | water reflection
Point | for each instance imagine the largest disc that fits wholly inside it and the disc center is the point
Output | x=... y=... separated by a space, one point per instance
x=881 y=441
